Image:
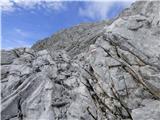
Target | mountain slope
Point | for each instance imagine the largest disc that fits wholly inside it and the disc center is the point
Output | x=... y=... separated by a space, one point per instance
x=73 y=40
x=100 y=71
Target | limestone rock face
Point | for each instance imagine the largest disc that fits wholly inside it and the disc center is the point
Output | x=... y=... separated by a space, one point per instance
x=100 y=71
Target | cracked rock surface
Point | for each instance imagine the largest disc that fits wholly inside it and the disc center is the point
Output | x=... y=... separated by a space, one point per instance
x=102 y=71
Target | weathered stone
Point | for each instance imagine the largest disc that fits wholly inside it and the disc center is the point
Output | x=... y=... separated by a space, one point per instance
x=149 y=111
x=7 y=57
x=102 y=71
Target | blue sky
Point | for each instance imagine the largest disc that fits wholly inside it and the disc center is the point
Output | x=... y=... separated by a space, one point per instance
x=26 y=21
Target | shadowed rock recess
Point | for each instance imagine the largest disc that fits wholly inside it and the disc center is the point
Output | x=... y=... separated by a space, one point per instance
x=95 y=71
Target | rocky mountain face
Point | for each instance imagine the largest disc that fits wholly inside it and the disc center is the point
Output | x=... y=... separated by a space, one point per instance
x=74 y=40
x=101 y=71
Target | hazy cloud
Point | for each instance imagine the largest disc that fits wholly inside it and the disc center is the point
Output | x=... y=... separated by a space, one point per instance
x=99 y=9
x=6 y=5
x=95 y=10
x=21 y=32
x=17 y=38
x=14 y=43
x=9 y=5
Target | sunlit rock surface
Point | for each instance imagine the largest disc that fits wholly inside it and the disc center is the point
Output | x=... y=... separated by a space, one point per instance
x=102 y=71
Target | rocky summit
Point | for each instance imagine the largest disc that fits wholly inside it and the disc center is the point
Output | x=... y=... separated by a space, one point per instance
x=108 y=70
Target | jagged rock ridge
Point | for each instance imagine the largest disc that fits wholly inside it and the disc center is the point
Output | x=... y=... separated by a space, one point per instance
x=101 y=71
x=73 y=40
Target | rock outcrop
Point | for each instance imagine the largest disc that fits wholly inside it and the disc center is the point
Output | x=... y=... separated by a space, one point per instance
x=101 y=71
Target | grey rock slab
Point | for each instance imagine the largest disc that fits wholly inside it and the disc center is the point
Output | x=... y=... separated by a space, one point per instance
x=7 y=57
x=149 y=111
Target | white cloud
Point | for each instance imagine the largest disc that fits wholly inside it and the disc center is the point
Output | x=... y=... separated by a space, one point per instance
x=95 y=9
x=9 y=5
x=99 y=9
x=6 y=5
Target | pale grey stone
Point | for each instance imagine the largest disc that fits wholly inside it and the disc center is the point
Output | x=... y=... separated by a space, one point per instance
x=149 y=111
x=108 y=70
